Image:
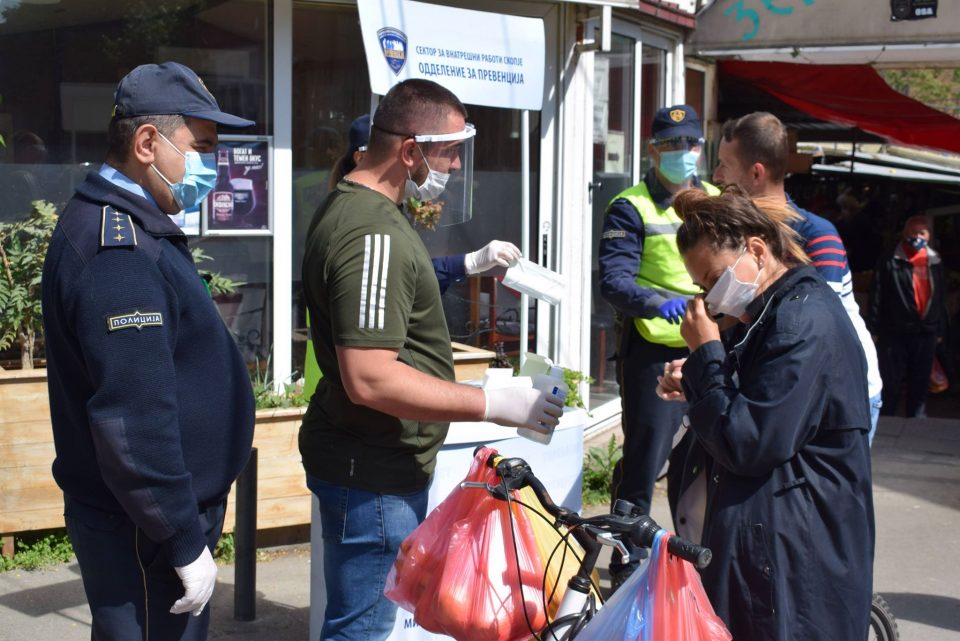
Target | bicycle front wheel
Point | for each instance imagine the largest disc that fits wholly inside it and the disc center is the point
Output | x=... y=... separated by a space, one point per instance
x=883 y=625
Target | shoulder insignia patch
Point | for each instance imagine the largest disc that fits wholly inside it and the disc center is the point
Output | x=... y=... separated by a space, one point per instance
x=136 y=320
x=116 y=228
x=613 y=233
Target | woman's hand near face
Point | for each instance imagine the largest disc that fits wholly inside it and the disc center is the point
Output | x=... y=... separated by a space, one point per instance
x=698 y=327
x=669 y=386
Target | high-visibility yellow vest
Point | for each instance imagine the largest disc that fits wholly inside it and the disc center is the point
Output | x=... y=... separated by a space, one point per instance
x=661 y=267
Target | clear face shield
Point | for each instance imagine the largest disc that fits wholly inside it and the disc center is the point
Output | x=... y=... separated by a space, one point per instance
x=449 y=158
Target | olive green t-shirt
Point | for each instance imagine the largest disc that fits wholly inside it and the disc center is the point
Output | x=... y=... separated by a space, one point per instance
x=369 y=282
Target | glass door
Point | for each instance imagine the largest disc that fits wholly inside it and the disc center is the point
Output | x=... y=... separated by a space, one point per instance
x=615 y=75
x=631 y=82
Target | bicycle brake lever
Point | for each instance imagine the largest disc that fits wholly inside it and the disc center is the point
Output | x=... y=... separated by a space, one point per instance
x=607 y=538
x=495 y=490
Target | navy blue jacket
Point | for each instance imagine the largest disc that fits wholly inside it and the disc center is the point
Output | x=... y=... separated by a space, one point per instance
x=621 y=250
x=781 y=414
x=449 y=270
x=150 y=399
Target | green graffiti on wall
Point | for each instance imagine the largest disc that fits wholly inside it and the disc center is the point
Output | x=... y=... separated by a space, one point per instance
x=740 y=12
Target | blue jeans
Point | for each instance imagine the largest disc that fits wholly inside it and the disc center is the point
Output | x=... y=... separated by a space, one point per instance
x=362 y=532
x=875 y=404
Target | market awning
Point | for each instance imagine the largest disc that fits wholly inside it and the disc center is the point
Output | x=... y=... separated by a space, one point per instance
x=838 y=32
x=852 y=95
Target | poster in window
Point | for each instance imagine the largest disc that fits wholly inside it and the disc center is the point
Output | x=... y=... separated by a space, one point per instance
x=188 y=221
x=239 y=203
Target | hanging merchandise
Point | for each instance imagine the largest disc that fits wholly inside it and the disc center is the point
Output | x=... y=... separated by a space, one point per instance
x=938 y=377
x=662 y=601
x=478 y=569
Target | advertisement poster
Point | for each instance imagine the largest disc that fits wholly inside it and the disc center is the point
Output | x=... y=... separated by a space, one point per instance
x=239 y=203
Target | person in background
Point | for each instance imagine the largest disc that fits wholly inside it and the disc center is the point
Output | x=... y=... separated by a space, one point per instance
x=150 y=400
x=371 y=433
x=643 y=278
x=23 y=183
x=778 y=406
x=908 y=315
x=753 y=154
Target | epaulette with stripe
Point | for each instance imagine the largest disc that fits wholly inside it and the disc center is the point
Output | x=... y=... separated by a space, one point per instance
x=116 y=228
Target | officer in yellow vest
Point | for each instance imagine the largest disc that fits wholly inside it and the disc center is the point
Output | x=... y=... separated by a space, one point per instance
x=643 y=277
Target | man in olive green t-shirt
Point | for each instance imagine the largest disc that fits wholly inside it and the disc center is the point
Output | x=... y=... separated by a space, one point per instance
x=370 y=437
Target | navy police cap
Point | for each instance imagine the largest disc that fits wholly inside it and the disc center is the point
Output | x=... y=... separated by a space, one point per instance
x=169 y=88
x=676 y=122
x=360 y=132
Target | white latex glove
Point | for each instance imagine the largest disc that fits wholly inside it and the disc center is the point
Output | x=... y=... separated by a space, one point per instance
x=198 y=580
x=522 y=407
x=494 y=253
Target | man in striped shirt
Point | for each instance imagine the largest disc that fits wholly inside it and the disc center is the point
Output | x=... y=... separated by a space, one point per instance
x=371 y=434
x=753 y=153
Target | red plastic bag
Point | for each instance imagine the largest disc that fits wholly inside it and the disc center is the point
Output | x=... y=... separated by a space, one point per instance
x=681 y=610
x=662 y=601
x=458 y=571
x=938 y=378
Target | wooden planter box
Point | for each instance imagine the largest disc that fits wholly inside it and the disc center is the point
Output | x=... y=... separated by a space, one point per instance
x=469 y=363
x=31 y=500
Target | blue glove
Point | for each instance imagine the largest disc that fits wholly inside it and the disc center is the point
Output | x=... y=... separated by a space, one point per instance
x=674 y=309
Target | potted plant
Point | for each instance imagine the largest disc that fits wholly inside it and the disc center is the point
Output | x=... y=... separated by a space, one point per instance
x=23 y=246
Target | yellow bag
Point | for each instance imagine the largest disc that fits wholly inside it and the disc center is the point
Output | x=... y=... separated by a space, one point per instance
x=565 y=563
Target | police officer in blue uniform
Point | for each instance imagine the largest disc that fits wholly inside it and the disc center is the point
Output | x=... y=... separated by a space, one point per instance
x=150 y=399
x=642 y=275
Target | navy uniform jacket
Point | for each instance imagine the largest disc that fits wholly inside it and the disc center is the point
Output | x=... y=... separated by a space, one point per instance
x=621 y=250
x=150 y=400
x=449 y=270
x=781 y=415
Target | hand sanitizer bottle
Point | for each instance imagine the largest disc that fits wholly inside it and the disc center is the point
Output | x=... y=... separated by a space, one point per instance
x=552 y=383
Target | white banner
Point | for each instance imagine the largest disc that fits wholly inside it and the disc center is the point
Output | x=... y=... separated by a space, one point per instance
x=484 y=58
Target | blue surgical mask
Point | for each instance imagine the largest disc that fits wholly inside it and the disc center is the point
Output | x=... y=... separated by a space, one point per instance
x=679 y=166
x=917 y=243
x=199 y=177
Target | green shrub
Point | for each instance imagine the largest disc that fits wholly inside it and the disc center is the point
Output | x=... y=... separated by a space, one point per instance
x=266 y=395
x=23 y=246
x=226 y=550
x=573 y=378
x=52 y=549
x=598 y=467
x=216 y=282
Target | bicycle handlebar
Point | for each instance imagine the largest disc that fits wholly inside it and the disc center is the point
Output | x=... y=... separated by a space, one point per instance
x=515 y=473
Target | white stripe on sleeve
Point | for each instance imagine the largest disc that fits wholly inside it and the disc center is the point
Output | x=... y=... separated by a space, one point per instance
x=375 y=281
x=382 y=306
x=364 y=280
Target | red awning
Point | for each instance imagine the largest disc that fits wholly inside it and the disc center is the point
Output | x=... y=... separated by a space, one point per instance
x=853 y=95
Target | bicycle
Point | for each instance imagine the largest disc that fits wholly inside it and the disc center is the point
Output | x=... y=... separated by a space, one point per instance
x=577 y=606
x=883 y=624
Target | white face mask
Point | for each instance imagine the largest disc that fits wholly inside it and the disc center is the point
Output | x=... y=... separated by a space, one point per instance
x=431 y=188
x=730 y=295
